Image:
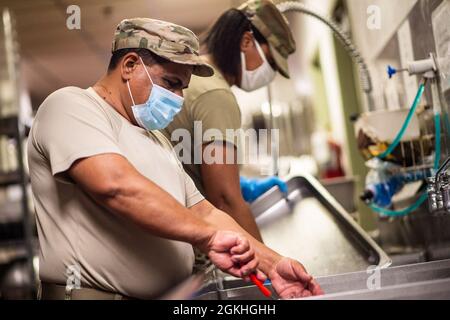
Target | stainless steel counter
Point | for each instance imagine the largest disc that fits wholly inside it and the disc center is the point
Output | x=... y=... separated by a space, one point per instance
x=430 y=280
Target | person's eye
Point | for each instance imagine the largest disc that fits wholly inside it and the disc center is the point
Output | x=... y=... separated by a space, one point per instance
x=174 y=85
x=169 y=84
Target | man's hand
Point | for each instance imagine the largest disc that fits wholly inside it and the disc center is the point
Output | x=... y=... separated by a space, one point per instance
x=290 y=280
x=231 y=253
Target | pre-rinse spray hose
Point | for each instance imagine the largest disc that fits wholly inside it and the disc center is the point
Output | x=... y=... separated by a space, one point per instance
x=405 y=125
x=364 y=74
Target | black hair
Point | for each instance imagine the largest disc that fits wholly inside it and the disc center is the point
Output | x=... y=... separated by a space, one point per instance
x=147 y=56
x=223 y=40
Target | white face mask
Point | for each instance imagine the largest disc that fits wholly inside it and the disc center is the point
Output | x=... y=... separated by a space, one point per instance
x=258 y=78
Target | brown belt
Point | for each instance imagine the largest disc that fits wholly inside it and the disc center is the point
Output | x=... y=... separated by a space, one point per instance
x=50 y=291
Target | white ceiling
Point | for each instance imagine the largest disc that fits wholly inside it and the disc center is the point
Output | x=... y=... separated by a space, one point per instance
x=54 y=56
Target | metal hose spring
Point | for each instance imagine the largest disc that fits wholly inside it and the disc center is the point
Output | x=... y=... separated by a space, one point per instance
x=364 y=74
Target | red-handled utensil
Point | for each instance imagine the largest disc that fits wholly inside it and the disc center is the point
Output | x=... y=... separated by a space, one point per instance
x=260 y=286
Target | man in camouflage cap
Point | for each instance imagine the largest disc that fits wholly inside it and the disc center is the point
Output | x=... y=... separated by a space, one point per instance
x=167 y=40
x=117 y=215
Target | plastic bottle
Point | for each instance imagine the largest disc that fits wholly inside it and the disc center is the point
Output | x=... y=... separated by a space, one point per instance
x=381 y=192
x=384 y=180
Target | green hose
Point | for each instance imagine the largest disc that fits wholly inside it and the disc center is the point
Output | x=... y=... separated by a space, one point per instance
x=402 y=212
x=405 y=125
x=437 y=142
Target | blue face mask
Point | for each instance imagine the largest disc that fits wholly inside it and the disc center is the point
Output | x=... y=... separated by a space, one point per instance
x=160 y=108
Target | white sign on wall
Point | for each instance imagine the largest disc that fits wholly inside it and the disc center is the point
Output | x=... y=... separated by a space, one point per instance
x=406 y=56
x=441 y=30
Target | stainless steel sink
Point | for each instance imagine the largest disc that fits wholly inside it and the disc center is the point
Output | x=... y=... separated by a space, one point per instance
x=312 y=227
x=430 y=280
x=388 y=277
x=426 y=290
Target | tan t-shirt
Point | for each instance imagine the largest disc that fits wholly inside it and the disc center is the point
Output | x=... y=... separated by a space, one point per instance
x=211 y=101
x=75 y=233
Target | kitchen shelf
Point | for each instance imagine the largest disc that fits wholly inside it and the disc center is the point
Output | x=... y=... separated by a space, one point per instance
x=8 y=126
x=10 y=178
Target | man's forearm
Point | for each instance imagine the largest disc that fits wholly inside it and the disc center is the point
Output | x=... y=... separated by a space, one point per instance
x=122 y=190
x=161 y=214
x=240 y=211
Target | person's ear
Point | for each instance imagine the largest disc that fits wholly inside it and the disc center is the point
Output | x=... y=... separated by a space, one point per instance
x=247 y=42
x=128 y=64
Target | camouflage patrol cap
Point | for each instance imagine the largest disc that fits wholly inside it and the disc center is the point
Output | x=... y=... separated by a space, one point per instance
x=270 y=22
x=173 y=42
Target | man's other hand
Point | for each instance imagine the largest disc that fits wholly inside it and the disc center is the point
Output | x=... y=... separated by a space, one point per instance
x=290 y=280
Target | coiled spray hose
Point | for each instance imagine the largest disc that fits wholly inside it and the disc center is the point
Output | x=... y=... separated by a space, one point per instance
x=364 y=74
x=405 y=125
